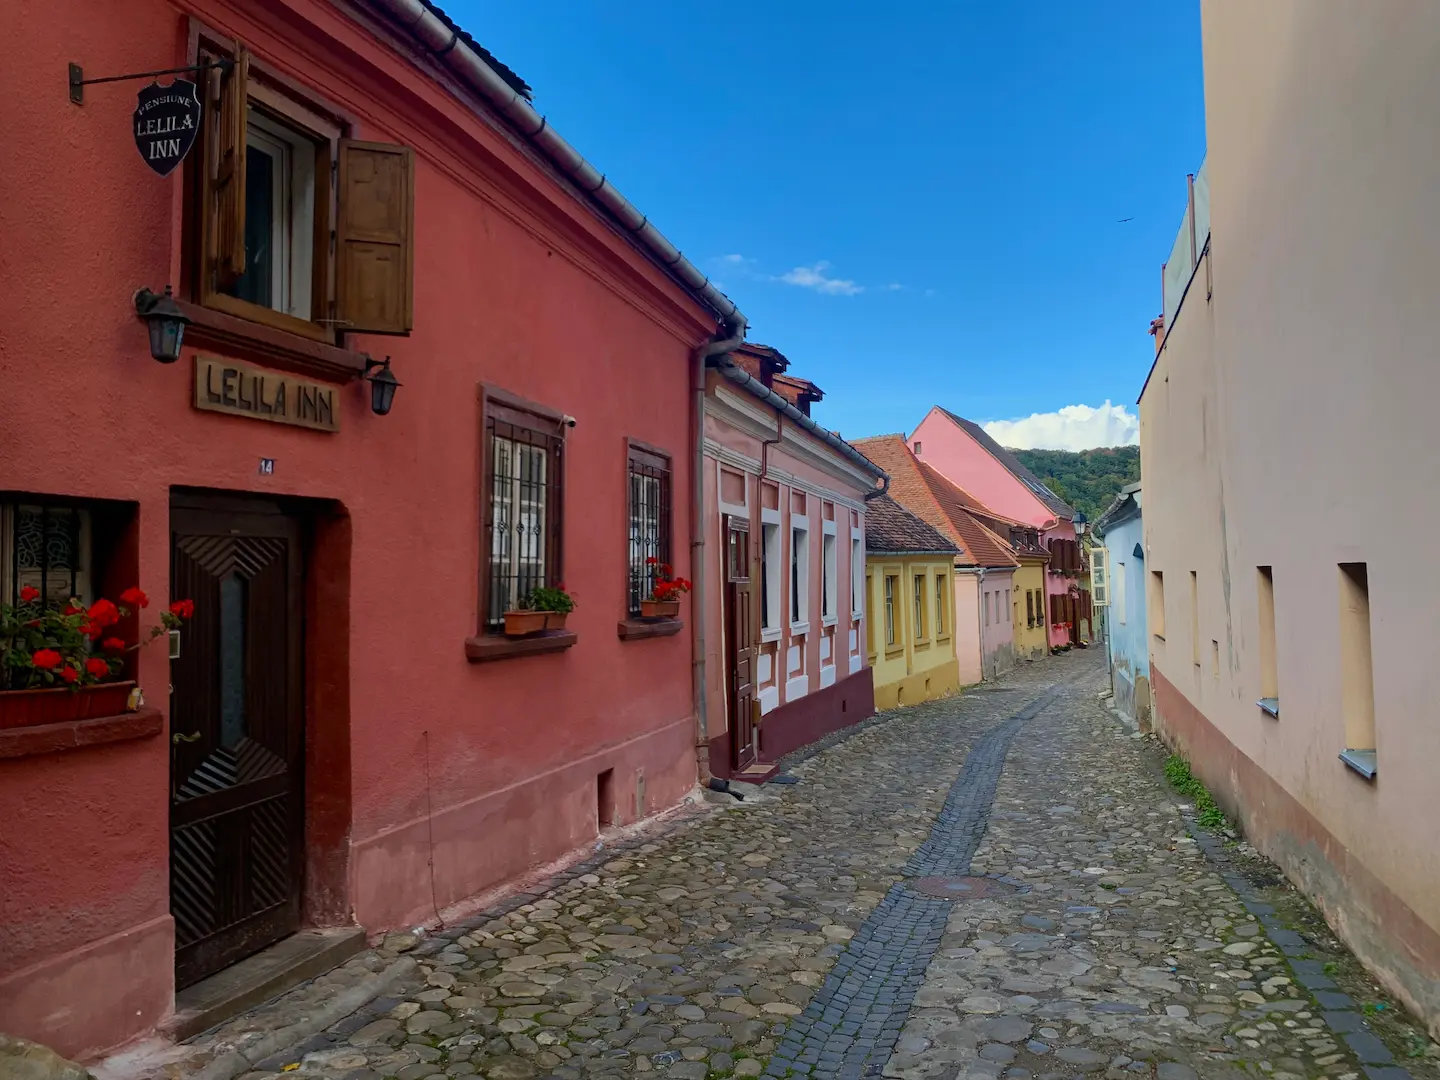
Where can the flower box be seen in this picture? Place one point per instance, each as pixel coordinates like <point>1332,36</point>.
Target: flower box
<point>525,623</point>
<point>30,708</point>
<point>659,609</point>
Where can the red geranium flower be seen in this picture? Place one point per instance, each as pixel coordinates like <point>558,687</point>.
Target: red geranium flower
<point>652,561</point>
<point>92,629</point>
<point>104,612</point>
<point>71,609</point>
<point>69,674</point>
<point>183,608</point>
<point>45,659</point>
<point>97,667</point>
<point>134,597</point>
<point>113,644</point>
<point>28,593</point>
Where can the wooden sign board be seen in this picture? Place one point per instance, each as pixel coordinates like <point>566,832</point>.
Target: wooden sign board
<point>239,390</point>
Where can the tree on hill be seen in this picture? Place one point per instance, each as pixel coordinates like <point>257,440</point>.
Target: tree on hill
<point>1088,479</point>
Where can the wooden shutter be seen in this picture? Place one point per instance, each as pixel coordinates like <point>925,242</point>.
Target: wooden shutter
<point>225,174</point>
<point>374,243</point>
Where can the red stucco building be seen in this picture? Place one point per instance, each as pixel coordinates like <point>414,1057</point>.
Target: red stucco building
<point>347,737</point>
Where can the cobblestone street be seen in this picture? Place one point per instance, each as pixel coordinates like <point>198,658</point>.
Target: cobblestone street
<point>821,929</point>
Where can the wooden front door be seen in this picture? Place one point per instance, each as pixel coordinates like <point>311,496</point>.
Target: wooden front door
<point>740,633</point>
<point>237,740</point>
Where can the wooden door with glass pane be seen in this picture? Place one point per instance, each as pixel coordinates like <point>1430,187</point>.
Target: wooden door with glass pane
<point>740,635</point>
<point>236,794</point>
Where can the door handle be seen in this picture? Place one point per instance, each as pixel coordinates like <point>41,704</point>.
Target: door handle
<point>177,738</point>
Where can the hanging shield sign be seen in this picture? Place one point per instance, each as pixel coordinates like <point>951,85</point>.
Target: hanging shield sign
<point>167,119</point>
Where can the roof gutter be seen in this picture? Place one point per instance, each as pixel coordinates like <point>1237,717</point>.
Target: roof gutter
<point>416,17</point>
<point>742,378</point>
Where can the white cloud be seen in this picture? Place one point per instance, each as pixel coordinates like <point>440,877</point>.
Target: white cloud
<point>813,277</point>
<point>1073,427</point>
<point>735,260</point>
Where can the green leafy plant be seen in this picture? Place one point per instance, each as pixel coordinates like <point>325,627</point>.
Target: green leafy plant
<point>1207,814</point>
<point>46,645</point>
<point>551,598</point>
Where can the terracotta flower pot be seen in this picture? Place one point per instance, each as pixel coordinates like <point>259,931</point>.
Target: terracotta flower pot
<point>29,708</point>
<point>524,623</point>
<point>659,609</point>
<point>555,620</point>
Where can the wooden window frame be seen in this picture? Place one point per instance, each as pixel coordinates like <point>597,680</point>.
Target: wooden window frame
<point>888,598</point>
<point>922,614</point>
<point>644,460</point>
<point>503,407</point>
<point>940,621</point>
<point>222,319</point>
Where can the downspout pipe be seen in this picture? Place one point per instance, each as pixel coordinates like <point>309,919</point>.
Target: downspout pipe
<point>727,340</point>
<point>419,19</point>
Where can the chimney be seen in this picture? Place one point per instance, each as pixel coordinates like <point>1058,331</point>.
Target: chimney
<point>1157,331</point>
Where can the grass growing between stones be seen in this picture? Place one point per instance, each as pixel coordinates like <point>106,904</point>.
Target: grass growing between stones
<point>1207,814</point>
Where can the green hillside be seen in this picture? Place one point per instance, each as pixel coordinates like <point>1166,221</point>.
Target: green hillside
<point>1088,479</point>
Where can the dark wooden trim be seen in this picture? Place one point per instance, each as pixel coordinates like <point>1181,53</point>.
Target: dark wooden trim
<point>76,734</point>
<point>635,450</point>
<point>640,629</point>
<point>489,392</point>
<point>487,647</point>
<point>269,345</point>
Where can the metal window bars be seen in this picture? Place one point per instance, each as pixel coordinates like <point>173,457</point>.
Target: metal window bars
<point>649,485</point>
<point>524,516</point>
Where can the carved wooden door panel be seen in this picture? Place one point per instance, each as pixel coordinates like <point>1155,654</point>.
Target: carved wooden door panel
<point>236,795</point>
<point>740,633</point>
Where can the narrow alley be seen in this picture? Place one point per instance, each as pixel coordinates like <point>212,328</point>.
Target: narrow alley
<point>820,929</point>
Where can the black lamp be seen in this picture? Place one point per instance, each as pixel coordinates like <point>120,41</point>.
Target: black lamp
<point>382,386</point>
<point>166,322</point>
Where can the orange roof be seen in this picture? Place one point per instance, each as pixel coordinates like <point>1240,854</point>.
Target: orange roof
<point>930,497</point>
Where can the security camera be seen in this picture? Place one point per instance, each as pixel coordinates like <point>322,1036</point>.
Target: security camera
<point>568,421</point>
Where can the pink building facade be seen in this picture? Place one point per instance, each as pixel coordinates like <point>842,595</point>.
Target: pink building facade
<point>964,454</point>
<point>784,565</point>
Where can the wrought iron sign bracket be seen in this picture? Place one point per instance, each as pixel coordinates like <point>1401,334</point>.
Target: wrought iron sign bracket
<point>78,82</point>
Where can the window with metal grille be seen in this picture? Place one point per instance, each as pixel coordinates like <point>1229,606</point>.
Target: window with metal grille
<point>522,507</point>
<point>649,486</point>
<point>47,547</point>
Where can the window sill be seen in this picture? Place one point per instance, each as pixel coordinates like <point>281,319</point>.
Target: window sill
<point>829,620</point>
<point>639,629</point>
<point>799,628</point>
<point>269,344</point>
<point>856,616</point>
<point>891,652</point>
<point>770,633</point>
<point>487,647</point>
<point>1270,705</point>
<point>1362,761</point>
<point>75,734</point>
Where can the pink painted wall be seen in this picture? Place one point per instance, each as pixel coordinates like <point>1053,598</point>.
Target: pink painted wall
<point>969,627</point>
<point>965,463</point>
<point>517,283</point>
<point>739,471</point>
<point>997,626</point>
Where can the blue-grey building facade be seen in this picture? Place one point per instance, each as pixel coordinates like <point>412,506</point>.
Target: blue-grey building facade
<point>1119,530</point>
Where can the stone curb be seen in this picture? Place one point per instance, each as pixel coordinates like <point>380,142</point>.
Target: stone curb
<point>228,1066</point>
<point>1337,1011</point>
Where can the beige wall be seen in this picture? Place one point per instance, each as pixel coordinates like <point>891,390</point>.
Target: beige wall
<point>1289,422</point>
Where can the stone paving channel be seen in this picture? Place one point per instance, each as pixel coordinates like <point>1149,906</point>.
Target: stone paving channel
<point>996,885</point>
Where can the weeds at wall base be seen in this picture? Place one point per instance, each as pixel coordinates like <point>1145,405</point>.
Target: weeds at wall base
<point>1207,814</point>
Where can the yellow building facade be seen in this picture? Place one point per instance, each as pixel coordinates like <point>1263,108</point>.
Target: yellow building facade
<point>1029,609</point>
<point>910,624</point>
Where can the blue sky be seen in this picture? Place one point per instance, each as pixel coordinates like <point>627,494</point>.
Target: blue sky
<point>917,203</point>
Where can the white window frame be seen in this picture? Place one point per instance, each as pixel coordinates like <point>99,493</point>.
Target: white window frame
<point>293,230</point>
<point>891,637</point>
<point>939,605</point>
<point>857,576</point>
<point>830,567</point>
<point>775,598</point>
<point>800,575</point>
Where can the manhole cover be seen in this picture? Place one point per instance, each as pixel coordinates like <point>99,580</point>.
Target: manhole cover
<point>960,888</point>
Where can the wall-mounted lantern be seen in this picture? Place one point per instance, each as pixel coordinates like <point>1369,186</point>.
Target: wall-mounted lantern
<point>166,323</point>
<point>382,386</point>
